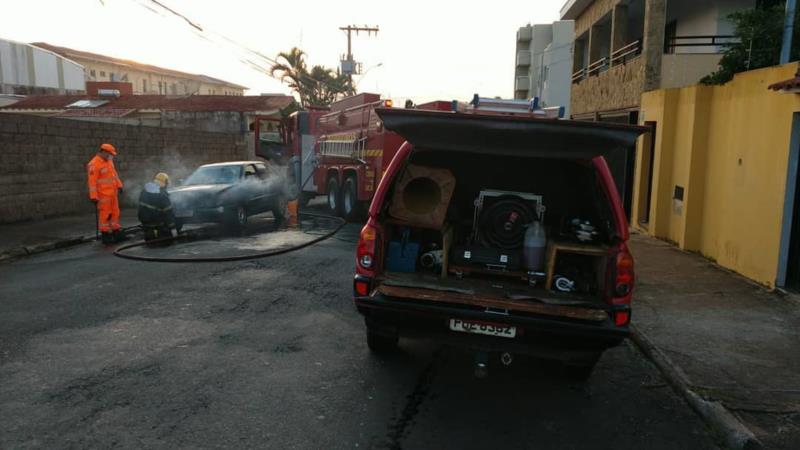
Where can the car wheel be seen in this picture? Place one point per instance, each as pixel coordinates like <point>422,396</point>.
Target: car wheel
<point>333,197</point>
<point>379,343</point>
<point>236,218</point>
<point>351,208</point>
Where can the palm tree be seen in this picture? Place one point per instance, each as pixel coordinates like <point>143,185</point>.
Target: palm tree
<point>320,86</point>
<point>292,69</point>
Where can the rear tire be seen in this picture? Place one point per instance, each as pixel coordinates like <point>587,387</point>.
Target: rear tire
<point>351,207</point>
<point>334,199</point>
<point>381,344</point>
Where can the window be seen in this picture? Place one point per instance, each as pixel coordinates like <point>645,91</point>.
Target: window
<point>144,86</point>
<point>173,89</point>
<point>92,73</point>
<point>261,171</point>
<point>102,73</point>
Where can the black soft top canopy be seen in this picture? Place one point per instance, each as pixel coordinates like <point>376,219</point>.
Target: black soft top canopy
<point>513,135</point>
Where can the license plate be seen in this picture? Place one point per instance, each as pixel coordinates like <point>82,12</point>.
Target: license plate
<point>489,329</point>
<point>184,213</point>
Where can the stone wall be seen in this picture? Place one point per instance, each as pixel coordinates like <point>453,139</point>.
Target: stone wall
<point>42,160</point>
<point>619,87</point>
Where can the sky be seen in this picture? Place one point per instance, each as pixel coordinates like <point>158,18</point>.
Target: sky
<point>425,50</point>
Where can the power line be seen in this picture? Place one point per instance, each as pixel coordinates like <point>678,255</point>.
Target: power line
<point>203,33</point>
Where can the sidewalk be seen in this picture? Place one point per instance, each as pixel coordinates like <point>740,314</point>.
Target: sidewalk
<point>730,340</point>
<point>24,238</point>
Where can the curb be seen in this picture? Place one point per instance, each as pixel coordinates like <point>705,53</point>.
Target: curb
<point>21,252</point>
<point>733,432</point>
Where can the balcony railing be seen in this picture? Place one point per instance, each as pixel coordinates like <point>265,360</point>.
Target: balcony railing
<point>630,51</point>
<point>674,42</point>
<point>579,75</point>
<point>597,66</point>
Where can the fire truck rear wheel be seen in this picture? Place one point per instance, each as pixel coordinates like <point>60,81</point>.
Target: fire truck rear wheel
<point>351,208</point>
<point>334,203</point>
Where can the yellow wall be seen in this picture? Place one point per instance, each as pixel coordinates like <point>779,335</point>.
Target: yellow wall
<point>728,147</point>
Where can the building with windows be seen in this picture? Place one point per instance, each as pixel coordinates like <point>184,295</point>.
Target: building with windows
<point>626,47</point>
<point>146,79</point>
<point>544,63</point>
<point>25,69</point>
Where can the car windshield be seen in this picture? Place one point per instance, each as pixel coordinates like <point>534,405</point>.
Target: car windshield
<point>215,175</point>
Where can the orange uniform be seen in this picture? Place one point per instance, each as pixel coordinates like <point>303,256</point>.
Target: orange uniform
<point>104,183</point>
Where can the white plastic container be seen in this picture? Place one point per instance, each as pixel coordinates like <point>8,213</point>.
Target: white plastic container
<point>533,249</point>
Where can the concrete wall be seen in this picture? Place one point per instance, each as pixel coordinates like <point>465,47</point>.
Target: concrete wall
<point>42,160</point>
<point>619,87</point>
<point>556,82</point>
<point>703,19</point>
<point>686,69</point>
<point>728,148</point>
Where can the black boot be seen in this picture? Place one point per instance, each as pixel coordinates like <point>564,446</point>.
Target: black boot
<point>119,236</point>
<point>106,238</point>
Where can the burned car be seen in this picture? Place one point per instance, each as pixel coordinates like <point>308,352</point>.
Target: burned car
<point>229,193</point>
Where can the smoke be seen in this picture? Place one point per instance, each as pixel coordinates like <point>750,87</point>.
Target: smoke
<point>180,165</point>
<point>140,171</point>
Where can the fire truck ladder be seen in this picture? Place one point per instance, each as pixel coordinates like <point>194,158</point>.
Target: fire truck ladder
<point>521,107</point>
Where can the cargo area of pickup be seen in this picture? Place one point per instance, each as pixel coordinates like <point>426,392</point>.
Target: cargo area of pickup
<point>459,230</point>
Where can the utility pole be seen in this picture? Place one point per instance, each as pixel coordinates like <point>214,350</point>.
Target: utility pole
<point>788,29</point>
<point>349,66</point>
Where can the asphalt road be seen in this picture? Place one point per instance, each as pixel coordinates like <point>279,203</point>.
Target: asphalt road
<point>97,351</point>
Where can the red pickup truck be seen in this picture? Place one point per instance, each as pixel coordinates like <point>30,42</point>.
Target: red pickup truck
<point>503,233</point>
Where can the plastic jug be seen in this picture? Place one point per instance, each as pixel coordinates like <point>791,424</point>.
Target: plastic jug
<point>533,249</point>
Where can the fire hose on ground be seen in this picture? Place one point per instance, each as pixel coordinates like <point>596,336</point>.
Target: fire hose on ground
<point>119,251</point>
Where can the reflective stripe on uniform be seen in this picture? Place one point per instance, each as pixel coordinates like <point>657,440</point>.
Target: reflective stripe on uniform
<point>147,205</point>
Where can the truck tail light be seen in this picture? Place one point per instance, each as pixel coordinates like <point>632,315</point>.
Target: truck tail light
<point>388,103</point>
<point>365,250</point>
<point>624,278</point>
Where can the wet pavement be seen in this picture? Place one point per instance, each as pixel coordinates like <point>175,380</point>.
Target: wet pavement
<point>97,351</point>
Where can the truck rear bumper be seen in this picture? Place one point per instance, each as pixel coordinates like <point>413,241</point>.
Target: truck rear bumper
<point>566,340</point>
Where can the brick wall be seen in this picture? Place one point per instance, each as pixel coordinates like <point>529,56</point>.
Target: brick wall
<point>42,160</point>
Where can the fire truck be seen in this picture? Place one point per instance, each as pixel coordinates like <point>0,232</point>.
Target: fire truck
<point>351,154</point>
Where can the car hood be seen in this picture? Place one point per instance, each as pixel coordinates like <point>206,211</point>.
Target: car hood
<point>198,195</point>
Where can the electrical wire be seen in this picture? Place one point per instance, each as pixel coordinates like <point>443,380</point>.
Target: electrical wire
<point>204,33</point>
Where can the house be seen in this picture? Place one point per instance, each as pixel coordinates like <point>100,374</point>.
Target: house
<point>25,69</point>
<point>543,64</point>
<point>146,79</point>
<point>114,103</point>
<point>626,47</point>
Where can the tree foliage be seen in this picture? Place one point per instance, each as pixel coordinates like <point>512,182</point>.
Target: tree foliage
<point>318,86</point>
<point>760,34</point>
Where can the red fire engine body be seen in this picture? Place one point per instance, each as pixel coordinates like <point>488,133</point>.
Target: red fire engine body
<point>352,153</point>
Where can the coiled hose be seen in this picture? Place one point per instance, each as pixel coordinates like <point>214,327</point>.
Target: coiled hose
<point>119,252</point>
<point>502,224</point>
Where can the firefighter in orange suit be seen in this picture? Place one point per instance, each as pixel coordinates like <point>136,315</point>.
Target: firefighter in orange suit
<point>104,189</point>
